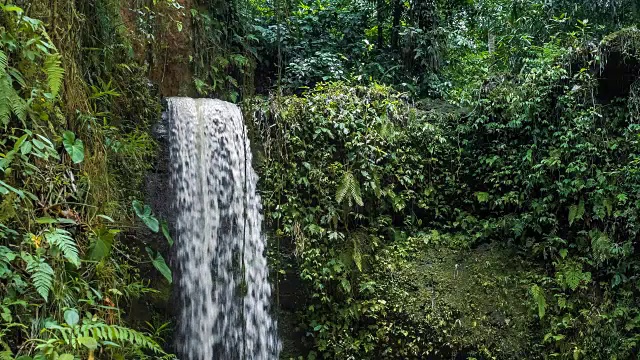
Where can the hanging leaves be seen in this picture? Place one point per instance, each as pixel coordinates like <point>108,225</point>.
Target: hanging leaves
<point>165,231</point>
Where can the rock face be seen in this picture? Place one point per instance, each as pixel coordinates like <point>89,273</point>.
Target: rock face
<point>470,302</point>
<point>158,188</point>
<point>157,194</point>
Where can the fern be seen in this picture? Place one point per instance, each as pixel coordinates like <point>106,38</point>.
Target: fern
<point>7,92</point>
<point>107,334</point>
<point>349,186</point>
<point>5,353</point>
<point>344,187</point>
<point>356,194</point>
<point>63,241</point>
<point>538,297</point>
<point>10,100</point>
<point>18,106</point>
<point>55,73</point>
<point>41,274</point>
<point>573,277</point>
<point>376,185</point>
<point>4,62</point>
<point>15,74</point>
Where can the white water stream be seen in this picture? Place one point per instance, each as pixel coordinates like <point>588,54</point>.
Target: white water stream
<point>222,268</point>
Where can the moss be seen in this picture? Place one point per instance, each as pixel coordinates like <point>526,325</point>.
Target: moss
<point>7,208</point>
<point>473,302</point>
<point>625,41</point>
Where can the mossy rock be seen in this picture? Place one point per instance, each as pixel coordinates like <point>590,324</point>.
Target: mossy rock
<point>474,303</point>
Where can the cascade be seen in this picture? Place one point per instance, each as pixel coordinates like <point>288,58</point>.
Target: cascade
<point>222,269</point>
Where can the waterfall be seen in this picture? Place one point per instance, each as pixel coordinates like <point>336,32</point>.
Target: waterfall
<point>222,268</point>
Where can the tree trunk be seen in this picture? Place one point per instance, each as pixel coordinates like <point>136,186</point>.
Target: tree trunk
<point>395,31</point>
<point>380,23</point>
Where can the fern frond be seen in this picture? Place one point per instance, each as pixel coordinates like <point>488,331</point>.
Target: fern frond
<point>356,194</point>
<point>119,334</point>
<point>4,62</point>
<point>18,106</point>
<point>376,185</point>
<point>349,186</point>
<point>17,76</point>
<point>539,298</point>
<point>345,185</point>
<point>5,110</point>
<point>55,73</point>
<point>6,355</point>
<point>41,274</point>
<point>63,241</point>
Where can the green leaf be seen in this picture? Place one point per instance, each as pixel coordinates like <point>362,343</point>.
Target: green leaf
<point>46,220</point>
<point>346,285</point>
<point>482,197</point>
<point>580,213</point>
<point>89,342</point>
<point>103,241</point>
<point>74,147</point>
<point>7,188</point>
<point>573,209</point>
<point>573,275</point>
<point>19,142</point>
<point>12,8</point>
<point>622,198</point>
<point>71,317</point>
<point>108,218</point>
<point>66,221</point>
<point>6,254</point>
<point>66,357</point>
<point>158,262</point>
<point>576,212</point>
<point>539,298</point>
<point>39,144</point>
<point>165,232</point>
<point>144,213</point>
<point>563,253</point>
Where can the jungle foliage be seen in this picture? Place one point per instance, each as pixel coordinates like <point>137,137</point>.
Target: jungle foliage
<point>72,157</point>
<point>524,156</point>
<point>440,179</point>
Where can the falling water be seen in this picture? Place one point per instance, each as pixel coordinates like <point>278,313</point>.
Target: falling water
<point>220,249</point>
